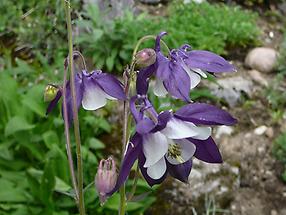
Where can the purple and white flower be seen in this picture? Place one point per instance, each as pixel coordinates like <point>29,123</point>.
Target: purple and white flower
<point>165,143</point>
<point>181,71</point>
<point>92,91</point>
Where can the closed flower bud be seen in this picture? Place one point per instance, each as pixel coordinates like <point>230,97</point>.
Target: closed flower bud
<point>145,57</point>
<point>50,92</point>
<point>105,178</point>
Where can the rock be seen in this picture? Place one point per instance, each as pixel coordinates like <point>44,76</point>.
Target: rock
<point>215,180</point>
<point>258,77</point>
<point>269,132</point>
<point>112,8</point>
<point>262,59</point>
<point>223,130</point>
<point>260,130</point>
<point>231,89</point>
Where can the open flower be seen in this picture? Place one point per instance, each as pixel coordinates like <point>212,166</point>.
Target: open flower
<point>180,71</point>
<point>92,91</point>
<point>166,143</point>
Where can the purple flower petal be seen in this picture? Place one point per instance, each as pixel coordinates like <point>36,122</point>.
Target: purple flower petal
<point>138,116</point>
<point>158,39</point>
<point>79,94</point>
<point>163,118</point>
<point>206,150</point>
<point>54,102</point>
<point>110,85</point>
<point>133,150</point>
<point>208,61</point>
<point>142,81</point>
<point>150,181</point>
<point>205,114</point>
<point>180,171</point>
<point>144,126</point>
<point>178,83</point>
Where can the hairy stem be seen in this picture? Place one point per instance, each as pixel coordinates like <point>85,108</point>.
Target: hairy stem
<point>67,135</point>
<point>75,114</point>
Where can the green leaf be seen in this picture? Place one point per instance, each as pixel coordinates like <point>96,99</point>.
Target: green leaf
<point>95,144</point>
<point>34,100</point>
<point>50,138</point>
<point>47,185</point>
<point>16,124</point>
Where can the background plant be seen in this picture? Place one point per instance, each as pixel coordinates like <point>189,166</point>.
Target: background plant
<point>217,28</point>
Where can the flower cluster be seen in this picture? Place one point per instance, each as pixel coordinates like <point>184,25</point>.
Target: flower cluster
<point>166,143</point>
<point>163,143</point>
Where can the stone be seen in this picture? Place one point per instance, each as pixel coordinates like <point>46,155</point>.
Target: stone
<point>223,130</point>
<point>231,89</point>
<point>262,59</point>
<point>260,130</point>
<point>258,77</point>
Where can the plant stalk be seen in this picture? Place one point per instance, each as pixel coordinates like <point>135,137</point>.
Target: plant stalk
<point>67,135</point>
<point>75,114</point>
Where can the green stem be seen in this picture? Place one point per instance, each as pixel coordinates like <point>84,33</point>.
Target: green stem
<point>133,189</point>
<point>75,114</point>
<point>67,135</point>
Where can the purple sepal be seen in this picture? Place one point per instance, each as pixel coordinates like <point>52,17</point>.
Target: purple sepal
<point>205,114</point>
<point>178,82</point>
<point>207,150</point>
<point>180,171</point>
<point>208,61</point>
<point>134,147</point>
<point>109,84</point>
<point>54,102</point>
<point>79,94</point>
<point>150,181</point>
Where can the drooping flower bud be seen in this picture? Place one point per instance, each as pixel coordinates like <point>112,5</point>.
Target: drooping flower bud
<point>145,57</point>
<point>105,178</point>
<point>50,92</point>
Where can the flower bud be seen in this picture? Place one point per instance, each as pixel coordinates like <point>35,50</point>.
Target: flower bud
<point>105,178</point>
<point>145,57</point>
<point>50,92</point>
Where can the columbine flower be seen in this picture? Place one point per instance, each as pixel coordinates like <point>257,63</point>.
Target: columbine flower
<point>181,71</point>
<point>92,91</point>
<point>166,143</point>
<point>105,178</point>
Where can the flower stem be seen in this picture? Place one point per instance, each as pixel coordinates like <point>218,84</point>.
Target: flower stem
<point>67,135</point>
<point>133,190</point>
<point>75,114</point>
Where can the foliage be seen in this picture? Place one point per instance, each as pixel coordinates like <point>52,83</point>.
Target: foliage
<point>204,26</point>
<point>282,56</point>
<point>33,25</point>
<point>34,174</point>
<point>279,151</point>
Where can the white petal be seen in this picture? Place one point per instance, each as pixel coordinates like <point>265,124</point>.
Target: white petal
<point>179,129</point>
<point>187,151</point>
<point>157,170</point>
<point>201,72</point>
<point>203,133</point>
<point>159,89</point>
<point>194,77</point>
<point>93,98</point>
<point>109,97</point>
<point>155,146</point>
